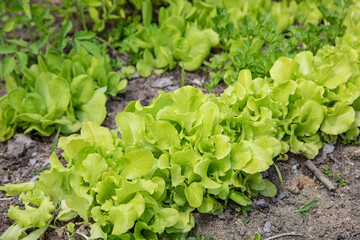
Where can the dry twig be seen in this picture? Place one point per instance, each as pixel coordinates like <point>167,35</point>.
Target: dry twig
<point>284,235</point>
<point>320,175</point>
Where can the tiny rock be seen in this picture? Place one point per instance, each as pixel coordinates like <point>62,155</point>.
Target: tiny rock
<point>33,162</point>
<point>295,169</point>
<point>300,185</point>
<point>261,203</point>
<point>294,190</point>
<point>135,75</point>
<point>18,145</point>
<point>267,227</point>
<point>281,196</point>
<point>162,82</point>
<point>328,148</point>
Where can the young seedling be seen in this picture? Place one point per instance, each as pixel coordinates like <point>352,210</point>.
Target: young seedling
<point>199,237</point>
<point>244,210</point>
<point>337,177</point>
<point>256,237</point>
<point>305,208</point>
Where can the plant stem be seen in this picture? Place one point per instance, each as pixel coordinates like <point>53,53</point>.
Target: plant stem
<point>81,10</point>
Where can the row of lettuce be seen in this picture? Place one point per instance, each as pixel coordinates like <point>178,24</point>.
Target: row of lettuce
<point>190,151</point>
<point>62,91</point>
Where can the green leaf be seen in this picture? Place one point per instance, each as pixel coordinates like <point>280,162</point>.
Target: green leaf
<point>284,69</point>
<point>25,4</point>
<point>147,12</point>
<point>22,59</point>
<point>18,42</point>
<point>91,47</point>
<point>194,194</point>
<point>8,65</point>
<point>136,164</point>
<point>82,89</point>
<point>66,28</point>
<point>94,166</point>
<point>83,35</point>
<point>165,134</point>
<point>78,204</point>
<point>338,119</point>
<point>131,127</point>
<point>16,189</point>
<point>270,189</point>
<point>124,216</point>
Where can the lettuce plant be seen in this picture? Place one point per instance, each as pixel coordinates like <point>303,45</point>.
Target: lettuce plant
<point>62,91</point>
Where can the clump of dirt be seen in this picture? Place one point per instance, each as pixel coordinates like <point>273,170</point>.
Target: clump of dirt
<point>335,216</point>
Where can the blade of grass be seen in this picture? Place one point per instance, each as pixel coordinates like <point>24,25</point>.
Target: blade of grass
<point>279,174</point>
<point>55,141</point>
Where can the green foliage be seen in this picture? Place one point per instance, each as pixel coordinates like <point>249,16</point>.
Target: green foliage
<point>62,91</point>
<point>260,39</point>
<point>256,237</point>
<point>337,177</point>
<point>305,208</point>
<point>199,237</point>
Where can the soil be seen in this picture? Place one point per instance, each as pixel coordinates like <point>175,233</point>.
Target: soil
<point>335,216</point>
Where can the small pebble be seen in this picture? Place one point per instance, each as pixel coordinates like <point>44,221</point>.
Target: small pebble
<point>33,161</point>
<point>282,203</point>
<point>162,82</point>
<point>34,154</point>
<point>172,88</point>
<point>294,190</point>
<point>267,227</point>
<point>300,185</point>
<point>46,163</point>
<point>295,169</point>
<point>261,203</point>
<point>328,148</point>
<point>282,195</point>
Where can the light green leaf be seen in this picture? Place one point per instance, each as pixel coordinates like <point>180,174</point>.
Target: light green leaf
<point>124,216</point>
<point>338,119</point>
<point>284,69</point>
<point>165,134</point>
<point>6,49</point>
<point>16,189</point>
<point>91,47</point>
<point>194,194</point>
<point>8,65</point>
<point>136,163</point>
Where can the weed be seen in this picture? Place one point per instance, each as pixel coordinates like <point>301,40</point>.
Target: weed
<point>337,177</point>
<point>256,237</point>
<point>305,208</point>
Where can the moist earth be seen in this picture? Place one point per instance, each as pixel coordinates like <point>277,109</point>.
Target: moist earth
<point>335,216</point>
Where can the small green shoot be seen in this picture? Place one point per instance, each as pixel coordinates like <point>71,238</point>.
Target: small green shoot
<point>279,174</point>
<point>55,141</point>
<point>305,208</point>
<point>244,210</point>
<point>256,237</point>
<point>199,237</point>
<point>337,177</point>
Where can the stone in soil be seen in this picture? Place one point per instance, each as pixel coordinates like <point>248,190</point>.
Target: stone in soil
<point>18,145</point>
<point>267,227</point>
<point>162,82</point>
